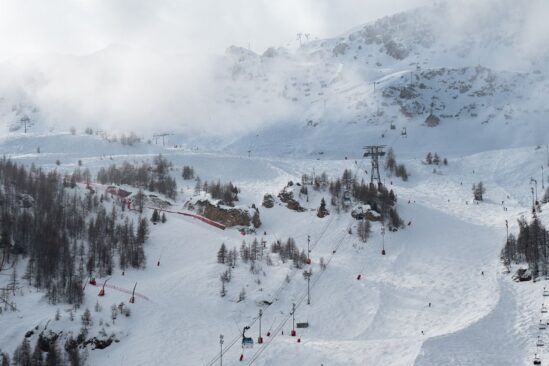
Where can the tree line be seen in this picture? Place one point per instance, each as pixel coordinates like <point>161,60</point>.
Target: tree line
<point>530,247</point>
<point>155,177</point>
<point>66,234</point>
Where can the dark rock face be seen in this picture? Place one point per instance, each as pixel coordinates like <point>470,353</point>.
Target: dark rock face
<point>97,343</point>
<point>291,203</point>
<point>228,217</point>
<point>432,120</point>
<point>268,201</point>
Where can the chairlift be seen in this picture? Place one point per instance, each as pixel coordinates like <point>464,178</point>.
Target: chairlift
<point>393,126</point>
<point>537,360</point>
<point>542,325</point>
<point>403,132</point>
<point>545,292</point>
<point>247,342</point>
<point>543,309</point>
<point>540,343</point>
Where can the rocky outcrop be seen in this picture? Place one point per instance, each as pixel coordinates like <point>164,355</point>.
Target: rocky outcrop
<point>226,216</point>
<point>268,201</point>
<point>289,200</point>
<point>432,120</point>
<point>98,343</point>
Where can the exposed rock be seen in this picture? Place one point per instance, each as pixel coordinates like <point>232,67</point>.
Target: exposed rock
<point>100,343</point>
<point>340,49</point>
<point>268,201</point>
<point>372,215</point>
<point>226,216</point>
<point>408,92</point>
<point>432,120</point>
<point>288,199</point>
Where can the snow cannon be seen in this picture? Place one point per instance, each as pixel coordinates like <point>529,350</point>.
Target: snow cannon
<point>102,291</point>
<point>260,340</point>
<point>293,333</point>
<point>92,281</point>
<point>132,299</point>
<point>383,252</point>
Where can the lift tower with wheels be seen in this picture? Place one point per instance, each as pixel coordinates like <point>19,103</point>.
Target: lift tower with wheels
<point>374,152</point>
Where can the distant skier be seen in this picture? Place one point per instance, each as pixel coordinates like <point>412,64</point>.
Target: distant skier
<point>429,304</point>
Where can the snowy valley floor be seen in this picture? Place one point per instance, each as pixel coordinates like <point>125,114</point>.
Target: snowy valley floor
<point>474,319</point>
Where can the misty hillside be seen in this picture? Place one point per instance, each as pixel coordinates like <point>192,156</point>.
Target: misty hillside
<point>427,71</point>
<point>398,71</point>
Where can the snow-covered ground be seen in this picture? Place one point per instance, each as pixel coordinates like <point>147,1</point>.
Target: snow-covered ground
<point>382,319</point>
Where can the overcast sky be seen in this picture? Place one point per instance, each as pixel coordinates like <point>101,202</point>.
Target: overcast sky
<point>33,27</point>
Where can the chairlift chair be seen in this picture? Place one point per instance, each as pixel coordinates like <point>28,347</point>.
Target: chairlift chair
<point>542,325</point>
<point>347,197</point>
<point>403,132</point>
<point>543,309</point>
<point>545,292</point>
<point>537,360</point>
<point>247,342</point>
<point>539,342</point>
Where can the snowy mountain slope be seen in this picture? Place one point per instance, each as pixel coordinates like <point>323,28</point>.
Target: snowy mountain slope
<point>397,71</point>
<point>316,104</point>
<point>377,320</point>
<point>467,67</point>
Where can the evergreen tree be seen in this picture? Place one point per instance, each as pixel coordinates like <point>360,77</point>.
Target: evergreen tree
<point>242,295</point>
<point>53,357</point>
<point>222,254</point>
<point>478,191</point>
<point>86,319</point>
<point>390,161</point>
<point>364,230</point>
<point>23,354</point>
<point>256,221</point>
<point>6,359</point>
<point>155,216</point>
<point>37,359</point>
